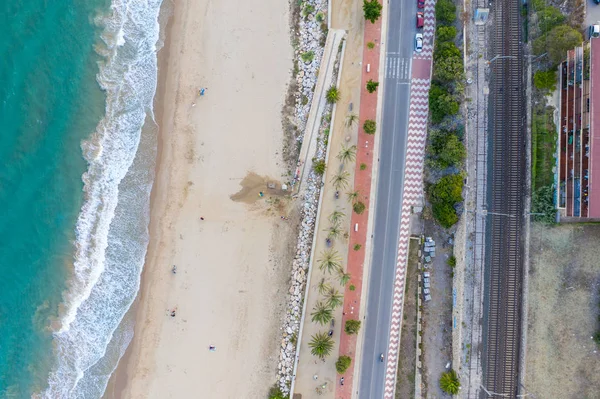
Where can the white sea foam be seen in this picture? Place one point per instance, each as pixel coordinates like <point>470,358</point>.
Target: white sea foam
<point>112,227</point>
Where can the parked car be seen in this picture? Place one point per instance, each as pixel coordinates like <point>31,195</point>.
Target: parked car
<point>421,4</point>
<point>420,20</point>
<point>418,42</point>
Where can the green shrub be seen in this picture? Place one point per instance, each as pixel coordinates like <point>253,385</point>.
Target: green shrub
<point>441,103</point>
<point>333,95</point>
<point>363,166</point>
<point>352,327</point>
<point>370,126</point>
<point>449,382</point>
<point>370,45</point>
<point>545,80</point>
<point>445,12</point>
<point>446,150</point>
<point>447,189</point>
<point>444,195</point>
<point>357,247</point>
<point>358,207</point>
<point>352,287</point>
<point>445,33</point>
<point>448,69</point>
<point>308,56</point>
<point>319,167</point>
<point>542,203</point>
<point>342,364</point>
<point>275,393</point>
<point>372,85</point>
<point>451,261</point>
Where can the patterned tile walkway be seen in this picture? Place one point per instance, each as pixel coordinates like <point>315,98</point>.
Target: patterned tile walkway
<point>413,183</point>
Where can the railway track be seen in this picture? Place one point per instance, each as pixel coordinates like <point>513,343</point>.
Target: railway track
<point>502,321</point>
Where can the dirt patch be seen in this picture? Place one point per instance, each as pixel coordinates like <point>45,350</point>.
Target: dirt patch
<point>255,187</point>
<point>437,316</point>
<point>562,359</point>
<point>405,383</point>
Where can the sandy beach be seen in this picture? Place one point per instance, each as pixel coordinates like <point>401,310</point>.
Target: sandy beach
<point>217,152</point>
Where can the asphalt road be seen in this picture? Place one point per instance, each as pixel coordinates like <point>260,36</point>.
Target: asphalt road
<point>400,44</point>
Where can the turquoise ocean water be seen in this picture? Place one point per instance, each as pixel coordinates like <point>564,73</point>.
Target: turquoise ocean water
<point>77,148</point>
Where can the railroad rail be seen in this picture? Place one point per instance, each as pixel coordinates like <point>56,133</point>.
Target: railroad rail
<point>502,319</point>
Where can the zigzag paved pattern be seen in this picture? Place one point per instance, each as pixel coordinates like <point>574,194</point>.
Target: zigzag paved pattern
<point>428,31</point>
<point>413,188</point>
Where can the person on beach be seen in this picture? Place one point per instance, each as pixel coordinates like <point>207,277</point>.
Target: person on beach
<point>212,348</point>
<point>173,312</point>
<point>201,218</point>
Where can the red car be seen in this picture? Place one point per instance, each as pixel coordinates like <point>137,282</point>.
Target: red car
<point>420,19</point>
<point>420,4</point>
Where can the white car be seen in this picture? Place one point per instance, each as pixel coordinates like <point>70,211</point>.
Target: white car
<point>419,42</point>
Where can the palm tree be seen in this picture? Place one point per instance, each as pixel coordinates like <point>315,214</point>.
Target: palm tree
<point>449,382</point>
<point>336,217</point>
<point>334,298</point>
<point>322,313</point>
<point>340,180</point>
<point>330,261</point>
<point>353,196</point>
<point>323,286</point>
<point>351,119</point>
<point>321,345</point>
<point>344,277</point>
<point>333,231</point>
<point>347,154</point>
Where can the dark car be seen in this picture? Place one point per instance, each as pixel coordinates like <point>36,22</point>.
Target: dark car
<point>421,3</point>
<point>420,19</point>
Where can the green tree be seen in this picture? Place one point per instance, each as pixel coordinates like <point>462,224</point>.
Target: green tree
<point>323,286</point>
<point>445,12</point>
<point>332,95</point>
<point>343,277</point>
<point>353,196</point>
<point>341,180</point>
<point>330,261</point>
<point>334,298</point>
<point>322,313</point>
<point>549,17</point>
<point>445,33</point>
<point>321,345</point>
<point>545,80</point>
<point>336,217</point>
<point>352,326</point>
<point>319,167</point>
<point>347,154</point>
<point>449,382</point>
<point>448,69</point>
<point>351,119</point>
<point>447,150</point>
<point>342,364</point>
<point>372,10</point>
<point>333,231</point>
<point>557,42</point>
<point>441,103</point>
<point>372,85</point>
<point>370,126</point>
<point>359,207</point>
